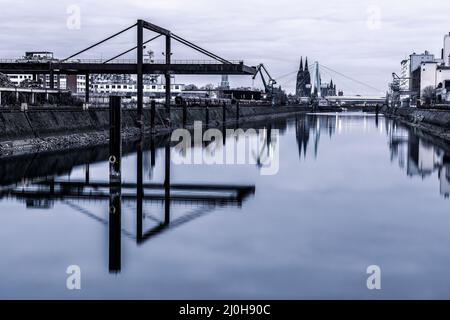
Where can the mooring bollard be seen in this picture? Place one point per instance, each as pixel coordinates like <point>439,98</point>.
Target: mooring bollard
<point>152,114</point>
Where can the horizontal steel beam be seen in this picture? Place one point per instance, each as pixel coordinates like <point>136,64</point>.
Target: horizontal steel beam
<point>126,68</point>
<point>31,90</point>
<point>155,28</point>
<point>175,186</point>
<point>99,196</point>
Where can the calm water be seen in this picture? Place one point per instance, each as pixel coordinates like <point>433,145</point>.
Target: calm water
<point>352,191</point>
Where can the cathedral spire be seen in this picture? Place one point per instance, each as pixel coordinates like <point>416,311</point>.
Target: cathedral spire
<point>301,64</point>
<point>306,64</point>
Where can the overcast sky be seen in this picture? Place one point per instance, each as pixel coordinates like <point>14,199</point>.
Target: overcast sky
<point>362,39</point>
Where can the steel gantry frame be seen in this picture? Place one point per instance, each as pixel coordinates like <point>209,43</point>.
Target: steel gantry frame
<point>110,66</point>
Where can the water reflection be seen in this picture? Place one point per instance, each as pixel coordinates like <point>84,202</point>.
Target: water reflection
<point>310,128</point>
<point>42,193</point>
<point>325,205</point>
<point>420,155</point>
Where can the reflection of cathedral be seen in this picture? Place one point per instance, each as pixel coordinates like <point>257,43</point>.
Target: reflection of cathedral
<point>303,88</point>
<point>310,128</point>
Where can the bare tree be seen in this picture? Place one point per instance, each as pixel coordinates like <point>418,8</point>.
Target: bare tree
<point>429,94</point>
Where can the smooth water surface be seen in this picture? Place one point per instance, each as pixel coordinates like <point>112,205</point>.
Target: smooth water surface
<point>353,190</point>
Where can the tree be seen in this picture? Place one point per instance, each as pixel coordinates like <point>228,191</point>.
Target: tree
<point>190,87</point>
<point>429,94</point>
<point>209,87</point>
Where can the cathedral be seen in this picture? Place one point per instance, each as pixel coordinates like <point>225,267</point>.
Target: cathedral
<point>329,89</point>
<point>308,86</point>
<point>303,88</point>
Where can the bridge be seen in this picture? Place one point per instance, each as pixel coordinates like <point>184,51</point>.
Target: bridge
<point>356,100</point>
<point>70,65</point>
<point>98,66</point>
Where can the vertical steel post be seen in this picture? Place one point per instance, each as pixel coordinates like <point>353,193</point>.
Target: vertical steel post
<point>51,77</point>
<point>139,191</point>
<point>167,184</point>
<point>87,88</point>
<point>184,104</point>
<point>87,174</point>
<point>207,114</point>
<point>140,77</point>
<point>115,184</point>
<point>115,138</point>
<point>152,114</point>
<point>168,56</point>
<point>224,113</point>
<point>237,111</point>
<point>152,152</point>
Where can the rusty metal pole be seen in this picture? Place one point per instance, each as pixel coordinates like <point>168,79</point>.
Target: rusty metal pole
<point>139,73</point>
<point>115,184</point>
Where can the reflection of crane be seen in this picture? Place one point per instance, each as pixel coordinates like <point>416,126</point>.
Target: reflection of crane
<point>268,85</point>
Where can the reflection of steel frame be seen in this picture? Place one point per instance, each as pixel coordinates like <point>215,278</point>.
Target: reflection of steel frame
<point>207,196</point>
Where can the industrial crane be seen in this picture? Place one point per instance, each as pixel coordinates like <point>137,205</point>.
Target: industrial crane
<point>268,86</point>
<point>397,91</point>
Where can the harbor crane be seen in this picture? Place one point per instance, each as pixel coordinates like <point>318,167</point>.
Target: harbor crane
<point>397,91</point>
<point>268,85</point>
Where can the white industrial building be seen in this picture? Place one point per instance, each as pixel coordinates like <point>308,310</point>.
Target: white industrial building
<point>424,70</point>
<point>131,88</point>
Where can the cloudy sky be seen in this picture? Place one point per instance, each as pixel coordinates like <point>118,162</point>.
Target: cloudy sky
<point>362,39</point>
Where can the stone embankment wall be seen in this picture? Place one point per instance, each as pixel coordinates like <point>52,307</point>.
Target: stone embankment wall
<point>434,122</point>
<point>45,130</point>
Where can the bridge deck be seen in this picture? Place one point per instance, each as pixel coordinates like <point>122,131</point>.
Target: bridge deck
<point>125,67</point>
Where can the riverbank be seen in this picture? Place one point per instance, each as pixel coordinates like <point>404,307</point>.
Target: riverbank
<point>37,131</point>
<point>433,122</point>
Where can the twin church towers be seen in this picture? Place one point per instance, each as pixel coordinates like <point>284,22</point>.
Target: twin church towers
<point>311,84</point>
<point>303,88</point>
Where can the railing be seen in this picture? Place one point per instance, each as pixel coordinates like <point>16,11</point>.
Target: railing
<point>118,61</point>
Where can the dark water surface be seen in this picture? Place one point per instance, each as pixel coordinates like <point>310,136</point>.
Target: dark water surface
<point>352,191</point>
